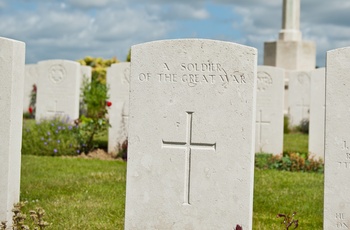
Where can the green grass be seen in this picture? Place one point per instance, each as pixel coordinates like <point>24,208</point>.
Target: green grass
<point>295,142</point>
<point>75,193</point>
<point>90,194</point>
<point>285,192</point>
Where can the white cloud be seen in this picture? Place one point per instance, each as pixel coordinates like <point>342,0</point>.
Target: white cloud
<point>75,28</point>
<point>2,4</point>
<point>182,11</point>
<point>73,34</point>
<point>92,3</point>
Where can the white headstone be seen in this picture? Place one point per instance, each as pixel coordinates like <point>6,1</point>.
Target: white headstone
<point>269,110</point>
<point>12,55</point>
<point>30,79</point>
<point>299,96</point>
<point>337,140</point>
<point>191,135</point>
<point>317,112</point>
<point>118,77</point>
<point>58,89</point>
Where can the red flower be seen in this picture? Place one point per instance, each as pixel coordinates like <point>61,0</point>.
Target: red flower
<point>108,103</point>
<point>30,110</point>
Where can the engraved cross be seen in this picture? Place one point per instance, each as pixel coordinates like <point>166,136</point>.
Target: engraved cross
<point>54,111</point>
<point>188,146</point>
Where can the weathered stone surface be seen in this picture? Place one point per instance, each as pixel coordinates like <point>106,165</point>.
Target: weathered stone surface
<point>317,112</point>
<point>118,78</point>
<point>191,135</point>
<point>299,96</point>
<point>58,89</point>
<point>269,110</point>
<point>337,140</point>
<point>12,55</point>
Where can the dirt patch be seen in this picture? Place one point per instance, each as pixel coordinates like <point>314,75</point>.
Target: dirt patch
<point>98,154</point>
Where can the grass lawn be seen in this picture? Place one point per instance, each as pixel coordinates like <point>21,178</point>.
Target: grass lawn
<point>295,142</point>
<point>75,193</point>
<point>90,194</point>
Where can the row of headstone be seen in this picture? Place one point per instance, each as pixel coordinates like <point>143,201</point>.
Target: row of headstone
<point>305,101</point>
<point>192,129</point>
<point>58,84</point>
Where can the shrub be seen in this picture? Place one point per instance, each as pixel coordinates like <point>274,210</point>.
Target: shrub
<point>293,162</point>
<point>262,160</point>
<point>54,137</point>
<point>95,99</point>
<point>296,162</point>
<point>30,114</point>
<point>99,67</point>
<point>303,126</point>
<point>286,128</point>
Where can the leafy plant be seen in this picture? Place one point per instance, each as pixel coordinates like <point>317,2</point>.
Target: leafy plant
<point>55,137</point>
<point>128,57</point>
<point>95,97</point>
<point>294,162</point>
<point>99,67</point>
<point>286,128</point>
<point>303,126</point>
<point>262,160</point>
<point>30,114</point>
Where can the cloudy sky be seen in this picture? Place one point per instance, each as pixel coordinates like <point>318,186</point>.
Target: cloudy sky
<point>73,29</point>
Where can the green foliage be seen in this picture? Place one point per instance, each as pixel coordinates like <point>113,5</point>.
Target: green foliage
<point>303,127</point>
<point>54,137</point>
<point>95,97</point>
<point>99,67</point>
<point>262,160</point>
<point>128,57</point>
<point>286,128</point>
<point>30,114</point>
<point>293,162</point>
<point>88,129</point>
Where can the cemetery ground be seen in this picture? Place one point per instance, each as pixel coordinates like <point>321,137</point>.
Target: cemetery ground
<point>79,193</point>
